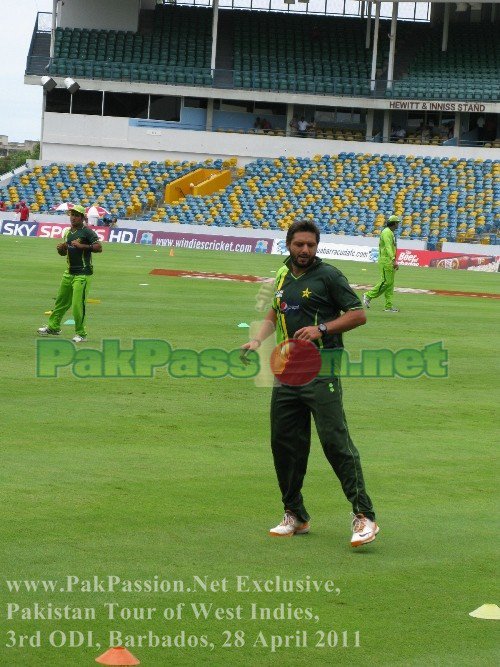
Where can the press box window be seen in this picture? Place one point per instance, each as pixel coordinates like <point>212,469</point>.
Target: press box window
<point>165,108</point>
<point>126,105</point>
<point>87,102</point>
<point>195,102</point>
<point>58,101</point>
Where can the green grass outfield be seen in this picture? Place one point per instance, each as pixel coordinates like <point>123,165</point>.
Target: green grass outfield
<point>174,478</point>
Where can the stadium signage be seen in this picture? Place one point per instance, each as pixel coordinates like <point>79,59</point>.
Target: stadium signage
<point>333,251</point>
<point>357,253</point>
<point>12,228</point>
<point>121,235</point>
<point>204,241</point>
<point>448,260</point>
<point>413,105</point>
<point>56,231</point>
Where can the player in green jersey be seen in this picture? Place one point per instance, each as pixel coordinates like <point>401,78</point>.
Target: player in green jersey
<point>313,302</point>
<point>79,242</point>
<point>388,265</point>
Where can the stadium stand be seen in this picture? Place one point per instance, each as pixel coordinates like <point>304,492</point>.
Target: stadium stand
<point>351,193</point>
<point>326,58</point>
<point>298,53</point>
<point>440,93</point>
<point>124,189</point>
<point>469,69</point>
<point>177,51</point>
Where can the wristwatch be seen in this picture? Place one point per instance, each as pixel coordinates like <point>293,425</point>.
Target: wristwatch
<point>323,329</point>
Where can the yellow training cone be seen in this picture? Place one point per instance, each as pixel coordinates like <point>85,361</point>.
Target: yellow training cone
<point>48,312</point>
<point>490,612</point>
<point>93,300</point>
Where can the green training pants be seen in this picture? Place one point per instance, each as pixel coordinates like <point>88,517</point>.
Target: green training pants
<point>384,286</point>
<point>291,409</point>
<point>72,293</point>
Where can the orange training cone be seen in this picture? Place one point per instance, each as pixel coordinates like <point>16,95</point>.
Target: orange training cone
<point>117,656</point>
<point>171,253</point>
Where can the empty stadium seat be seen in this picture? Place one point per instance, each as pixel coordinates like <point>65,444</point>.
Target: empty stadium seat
<point>181,38</point>
<point>350,193</point>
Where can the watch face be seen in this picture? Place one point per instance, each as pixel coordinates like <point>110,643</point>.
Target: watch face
<point>322,328</point>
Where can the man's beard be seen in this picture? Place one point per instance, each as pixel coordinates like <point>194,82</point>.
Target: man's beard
<point>302,264</point>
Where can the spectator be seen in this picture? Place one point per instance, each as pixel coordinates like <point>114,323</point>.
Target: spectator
<point>24,212</point>
<point>480,128</point>
<point>114,221</point>
<point>265,124</point>
<point>302,127</point>
<point>294,124</point>
<point>258,123</point>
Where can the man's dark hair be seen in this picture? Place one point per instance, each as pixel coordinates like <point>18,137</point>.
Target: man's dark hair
<point>302,226</point>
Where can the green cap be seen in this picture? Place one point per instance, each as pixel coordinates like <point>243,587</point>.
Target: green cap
<point>394,218</point>
<point>79,209</point>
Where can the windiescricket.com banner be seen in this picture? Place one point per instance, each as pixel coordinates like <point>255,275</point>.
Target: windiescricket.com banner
<point>144,237</point>
<point>333,251</point>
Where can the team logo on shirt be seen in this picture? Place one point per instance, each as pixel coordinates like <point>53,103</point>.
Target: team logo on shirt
<point>278,294</point>
<point>306,293</point>
<point>286,307</point>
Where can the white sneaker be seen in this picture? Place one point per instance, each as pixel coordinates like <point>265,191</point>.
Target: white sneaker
<point>79,339</point>
<point>366,301</point>
<point>47,331</point>
<point>364,530</point>
<point>290,526</point>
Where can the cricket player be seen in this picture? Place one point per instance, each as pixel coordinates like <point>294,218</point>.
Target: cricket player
<point>313,302</point>
<point>388,265</point>
<point>79,242</point>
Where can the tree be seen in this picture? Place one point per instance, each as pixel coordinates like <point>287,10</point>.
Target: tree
<point>16,159</point>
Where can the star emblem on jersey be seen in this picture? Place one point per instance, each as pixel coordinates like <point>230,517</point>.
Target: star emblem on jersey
<point>306,293</point>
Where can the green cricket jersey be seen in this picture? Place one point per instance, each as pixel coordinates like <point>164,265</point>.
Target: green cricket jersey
<point>386,246</point>
<point>80,261</point>
<point>319,295</point>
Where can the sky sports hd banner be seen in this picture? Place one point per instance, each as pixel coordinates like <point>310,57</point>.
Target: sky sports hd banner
<point>331,251</point>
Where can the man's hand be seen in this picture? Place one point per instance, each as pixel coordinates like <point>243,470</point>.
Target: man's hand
<point>308,333</point>
<point>62,249</point>
<point>79,245</point>
<point>395,265</point>
<point>245,350</point>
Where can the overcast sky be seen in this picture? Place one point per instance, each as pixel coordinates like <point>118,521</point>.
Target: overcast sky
<point>20,105</point>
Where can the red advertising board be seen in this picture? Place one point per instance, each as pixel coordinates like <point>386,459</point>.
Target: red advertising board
<point>447,260</point>
<point>55,230</point>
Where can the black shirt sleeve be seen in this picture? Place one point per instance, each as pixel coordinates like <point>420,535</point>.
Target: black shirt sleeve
<point>91,236</point>
<point>340,292</point>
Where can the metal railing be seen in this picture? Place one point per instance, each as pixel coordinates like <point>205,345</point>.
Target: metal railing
<point>38,65</point>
